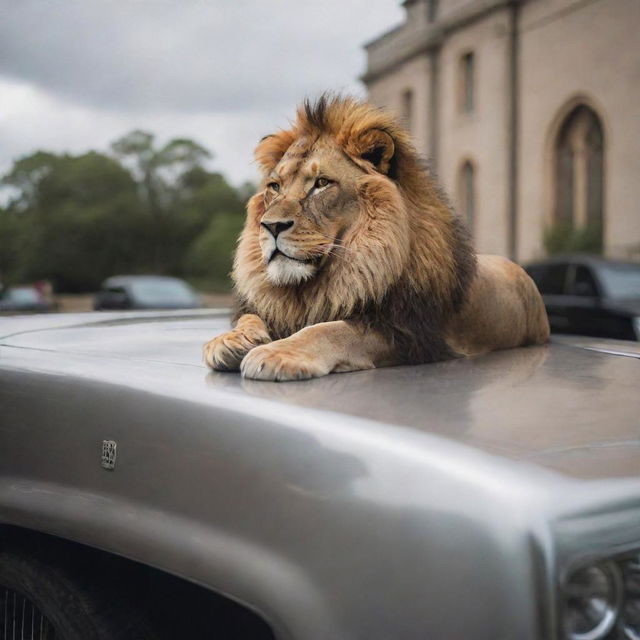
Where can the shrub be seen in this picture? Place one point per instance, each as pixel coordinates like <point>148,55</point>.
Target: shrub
<point>565,238</point>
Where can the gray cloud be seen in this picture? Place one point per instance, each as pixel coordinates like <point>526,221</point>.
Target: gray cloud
<point>188,55</point>
<point>75,74</point>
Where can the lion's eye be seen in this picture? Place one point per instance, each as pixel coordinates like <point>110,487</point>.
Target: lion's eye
<point>321,182</point>
<point>274,185</point>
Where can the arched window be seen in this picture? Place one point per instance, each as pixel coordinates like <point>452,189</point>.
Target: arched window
<point>467,193</point>
<point>432,10</point>
<point>466,82</point>
<point>407,109</point>
<point>578,171</point>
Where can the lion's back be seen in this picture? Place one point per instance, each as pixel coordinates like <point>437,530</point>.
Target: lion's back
<point>503,309</point>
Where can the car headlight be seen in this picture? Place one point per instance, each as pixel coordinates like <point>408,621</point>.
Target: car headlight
<point>592,601</point>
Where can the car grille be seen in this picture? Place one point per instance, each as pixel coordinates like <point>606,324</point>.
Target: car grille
<point>20,619</point>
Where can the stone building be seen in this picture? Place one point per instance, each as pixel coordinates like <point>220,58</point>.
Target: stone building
<point>529,111</point>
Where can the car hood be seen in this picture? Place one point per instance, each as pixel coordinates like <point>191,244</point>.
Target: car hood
<point>571,406</point>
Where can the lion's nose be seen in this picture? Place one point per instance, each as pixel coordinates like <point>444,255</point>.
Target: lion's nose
<point>276,228</point>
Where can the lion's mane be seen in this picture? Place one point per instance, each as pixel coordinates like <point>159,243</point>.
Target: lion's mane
<point>404,268</point>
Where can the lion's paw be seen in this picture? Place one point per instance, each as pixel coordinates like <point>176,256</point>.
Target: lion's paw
<point>279,362</point>
<point>225,352</point>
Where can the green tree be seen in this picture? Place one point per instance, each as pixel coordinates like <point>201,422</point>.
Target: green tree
<point>76,220</point>
<point>73,219</point>
<point>27,176</point>
<point>160,173</point>
<point>212,214</point>
<point>9,245</point>
<point>210,257</point>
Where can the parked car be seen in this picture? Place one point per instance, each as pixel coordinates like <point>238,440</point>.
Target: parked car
<point>144,496</point>
<point>590,296</point>
<point>23,299</point>
<point>145,292</point>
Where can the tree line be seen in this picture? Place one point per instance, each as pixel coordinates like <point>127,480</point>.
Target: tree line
<point>75,220</point>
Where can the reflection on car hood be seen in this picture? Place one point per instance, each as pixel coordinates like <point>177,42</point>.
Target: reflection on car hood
<point>564,406</point>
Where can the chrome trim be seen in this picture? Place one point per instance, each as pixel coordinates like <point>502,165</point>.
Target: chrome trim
<point>20,618</point>
<point>613,606</point>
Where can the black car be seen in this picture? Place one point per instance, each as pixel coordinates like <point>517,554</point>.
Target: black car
<point>590,296</point>
<point>145,292</point>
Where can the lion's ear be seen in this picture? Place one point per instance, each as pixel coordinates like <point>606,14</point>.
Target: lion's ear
<point>271,149</point>
<point>377,147</point>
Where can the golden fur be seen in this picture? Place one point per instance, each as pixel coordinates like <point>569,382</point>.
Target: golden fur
<point>350,258</point>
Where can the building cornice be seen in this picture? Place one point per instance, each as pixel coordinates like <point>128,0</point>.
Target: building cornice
<point>386,53</point>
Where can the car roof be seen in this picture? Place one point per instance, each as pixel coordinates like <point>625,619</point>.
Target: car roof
<point>569,407</point>
<point>131,279</point>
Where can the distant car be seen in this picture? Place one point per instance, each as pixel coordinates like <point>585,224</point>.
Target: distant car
<point>145,292</point>
<point>590,296</point>
<point>23,300</point>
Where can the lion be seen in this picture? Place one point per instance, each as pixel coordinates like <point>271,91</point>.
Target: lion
<point>351,259</point>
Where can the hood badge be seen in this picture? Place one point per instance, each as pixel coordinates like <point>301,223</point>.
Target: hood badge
<point>108,460</point>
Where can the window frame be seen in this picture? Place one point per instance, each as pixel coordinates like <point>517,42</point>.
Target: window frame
<point>546,268</point>
<point>432,11</point>
<point>573,269</point>
<point>408,108</point>
<point>467,193</point>
<point>467,74</point>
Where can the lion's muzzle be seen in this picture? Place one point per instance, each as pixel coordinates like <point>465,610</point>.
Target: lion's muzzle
<point>276,228</point>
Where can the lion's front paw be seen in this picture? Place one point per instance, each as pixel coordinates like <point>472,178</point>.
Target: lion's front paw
<point>279,362</point>
<point>225,352</point>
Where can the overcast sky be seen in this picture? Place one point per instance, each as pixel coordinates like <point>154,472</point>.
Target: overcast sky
<point>77,74</point>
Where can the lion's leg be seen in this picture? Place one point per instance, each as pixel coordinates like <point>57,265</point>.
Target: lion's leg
<point>225,352</point>
<point>316,351</point>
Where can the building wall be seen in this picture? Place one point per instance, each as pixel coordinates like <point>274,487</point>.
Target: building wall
<point>388,92</point>
<point>482,135</point>
<point>570,51</point>
<point>449,8</point>
<point>574,51</point>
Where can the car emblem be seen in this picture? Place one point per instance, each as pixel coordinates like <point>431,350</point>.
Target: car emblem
<point>109,454</point>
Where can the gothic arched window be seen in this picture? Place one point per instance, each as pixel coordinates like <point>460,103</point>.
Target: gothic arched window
<point>579,169</point>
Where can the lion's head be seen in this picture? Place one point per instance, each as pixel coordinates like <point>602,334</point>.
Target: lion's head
<point>345,219</point>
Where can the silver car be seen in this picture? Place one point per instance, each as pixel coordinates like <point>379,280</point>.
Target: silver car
<point>143,496</point>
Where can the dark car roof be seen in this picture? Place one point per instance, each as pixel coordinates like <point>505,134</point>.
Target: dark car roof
<point>568,407</point>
